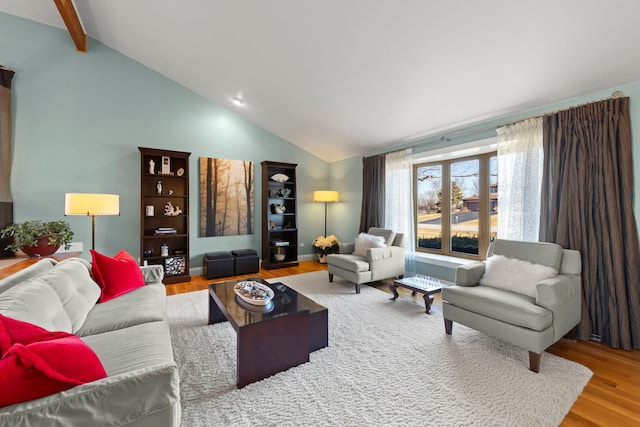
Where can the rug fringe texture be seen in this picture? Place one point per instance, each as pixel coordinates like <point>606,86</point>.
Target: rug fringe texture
<point>388,364</point>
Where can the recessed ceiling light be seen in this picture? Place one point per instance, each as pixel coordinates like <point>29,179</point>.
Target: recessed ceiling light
<point>238,101</point>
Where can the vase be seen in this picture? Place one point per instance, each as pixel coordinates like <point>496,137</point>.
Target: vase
<point>322,259</point>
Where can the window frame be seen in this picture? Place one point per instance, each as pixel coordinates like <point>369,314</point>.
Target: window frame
<point>484,217</point>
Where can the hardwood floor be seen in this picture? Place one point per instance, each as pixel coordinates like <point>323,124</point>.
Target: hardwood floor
<point>611,398</point>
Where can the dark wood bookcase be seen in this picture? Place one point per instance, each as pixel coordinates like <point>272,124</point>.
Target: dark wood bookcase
<point>279,227</point>
<point>164,239</point>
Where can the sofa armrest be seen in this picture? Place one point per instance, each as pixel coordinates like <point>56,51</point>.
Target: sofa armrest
<point>555,291</point>
<point>385,262</point>
<point>104,402</point>
<point>152,273</point>
<point>561,295</point>
<point>469,274</point>
<point>347,248</point>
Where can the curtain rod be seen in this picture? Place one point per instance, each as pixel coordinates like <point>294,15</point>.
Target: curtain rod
<point>614,95</point>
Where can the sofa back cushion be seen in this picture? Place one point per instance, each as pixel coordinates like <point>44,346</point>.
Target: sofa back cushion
<point>42,266</point>
<point>77,291</point>
<point>549,254</point>
<point>35,301</point>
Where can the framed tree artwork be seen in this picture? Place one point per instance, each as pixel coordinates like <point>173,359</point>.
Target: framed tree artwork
<point>226,197</point>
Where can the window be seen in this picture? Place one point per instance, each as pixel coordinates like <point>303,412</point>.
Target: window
<point>457,205</point>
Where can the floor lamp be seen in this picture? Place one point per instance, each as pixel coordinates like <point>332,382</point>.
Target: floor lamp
<point>91,205</point>
<point>325,197</point>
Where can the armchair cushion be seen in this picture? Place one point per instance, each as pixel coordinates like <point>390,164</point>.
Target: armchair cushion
<point>365,241</point>
<point>515,275</point>
<point>509,307</point>
<point>355,263</point>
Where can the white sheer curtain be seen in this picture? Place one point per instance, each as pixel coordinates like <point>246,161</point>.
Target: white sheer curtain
<point>399,201</point>
<point>520,157</point>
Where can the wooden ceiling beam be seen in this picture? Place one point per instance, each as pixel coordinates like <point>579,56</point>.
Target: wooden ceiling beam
<point>70,17</point>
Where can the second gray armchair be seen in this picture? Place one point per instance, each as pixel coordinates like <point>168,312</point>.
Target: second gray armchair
<point>376,263</point>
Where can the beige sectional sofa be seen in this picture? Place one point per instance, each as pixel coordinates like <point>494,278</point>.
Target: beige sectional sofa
<point>129,334</point>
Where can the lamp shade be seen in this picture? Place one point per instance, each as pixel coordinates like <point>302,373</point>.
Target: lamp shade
<point>325,196</point>
<point>91,204</point>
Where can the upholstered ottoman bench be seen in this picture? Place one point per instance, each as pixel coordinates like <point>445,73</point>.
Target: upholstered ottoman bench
<point>218,264</point>
<point>246,261</point>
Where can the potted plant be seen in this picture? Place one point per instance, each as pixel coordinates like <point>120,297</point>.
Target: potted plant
<point>326,245</point>
<point>38,238</point>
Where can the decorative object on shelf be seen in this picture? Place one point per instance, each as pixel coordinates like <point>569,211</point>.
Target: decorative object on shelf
<point>272,225</point>
<point>149,210</point>
<point>159,187</point>
<point>37,238</point>
<point>166,165</point>
<point>238,193</point>
<point>325,197</point>
<point>324,246</point>
<point>148,252</point>
<point>152,167</point>
<point>164,250</point>
<point>280,177</point>
<point>92,205</point>
<point>180,172</point>
<point>281,253</point>
<point>278,208</point>
<point>285,192</point>
<point>171,192</point>
<point>170,210</point>
<point>274,193</point>
<point>174,265</point>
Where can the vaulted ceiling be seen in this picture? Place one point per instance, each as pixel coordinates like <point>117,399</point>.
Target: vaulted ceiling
<point>341,78</point>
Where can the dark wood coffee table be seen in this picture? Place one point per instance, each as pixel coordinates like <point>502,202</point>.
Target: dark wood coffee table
<point>271,338</point>
<point>426,286</point>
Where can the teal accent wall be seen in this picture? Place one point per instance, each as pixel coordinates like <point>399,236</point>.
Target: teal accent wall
<point>78,120</point>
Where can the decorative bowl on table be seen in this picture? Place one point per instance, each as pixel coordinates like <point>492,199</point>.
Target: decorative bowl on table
<point>253,292</point>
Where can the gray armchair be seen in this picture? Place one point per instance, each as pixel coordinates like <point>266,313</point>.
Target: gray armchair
<point>533,323</point>
<point>378,264</point>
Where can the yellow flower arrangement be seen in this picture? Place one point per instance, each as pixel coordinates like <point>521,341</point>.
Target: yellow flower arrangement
<point>326,245</point>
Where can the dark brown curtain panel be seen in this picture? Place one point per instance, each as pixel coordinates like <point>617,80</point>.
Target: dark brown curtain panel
<point>6,202</point>
<point>587,204</point>
<point>372,214</point>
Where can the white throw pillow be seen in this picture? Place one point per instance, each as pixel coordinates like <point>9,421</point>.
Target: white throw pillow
<point>365,241</point>
<point>515,275</point>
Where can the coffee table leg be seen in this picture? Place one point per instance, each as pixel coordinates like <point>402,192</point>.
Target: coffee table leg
<point>428,300</point>
<point>392,288</point>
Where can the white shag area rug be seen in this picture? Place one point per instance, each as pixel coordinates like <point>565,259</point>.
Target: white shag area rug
<point>388,364</point>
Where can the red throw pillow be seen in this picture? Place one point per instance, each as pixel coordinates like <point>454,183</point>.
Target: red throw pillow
<point>14,331</point>
<point>116,276</point>
<point>42,368</point>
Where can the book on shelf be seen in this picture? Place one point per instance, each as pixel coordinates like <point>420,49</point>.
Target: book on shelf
<point>165,230</point>
<point>279,243</point>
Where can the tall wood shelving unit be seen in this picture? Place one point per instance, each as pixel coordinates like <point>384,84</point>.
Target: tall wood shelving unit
<point>279,229</point>
<point>174,189</point>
